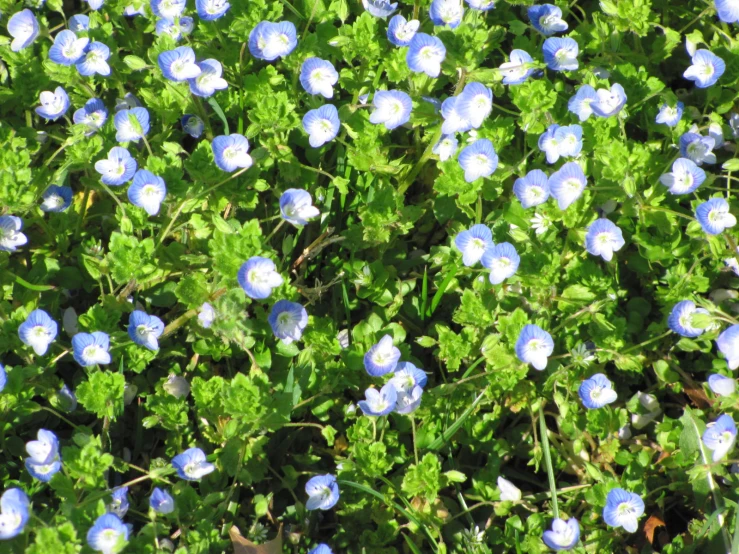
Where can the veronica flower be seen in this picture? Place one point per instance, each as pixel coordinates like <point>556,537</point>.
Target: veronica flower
<point>392,108</point>
<point>53,104</point>
<point>379,403</point>
<point>603,238</point>
<point>734,124</point>
<point>67,399</point>
<point>379,8</point>
<point>79,22</point>
<point>670,115</point>
<point>549,144</point>
<point>446,13</point>
<point>133,11</point>
<point>684,178</point>
<point>721,385</point>
<point>425,54</point>
<point>547,19</point>
<point>44,461</point>
<point>407,376</point>
<point>680,319</point>
<point>14,511</point>
<point>269,41</point>
<point>119,503</point>
<point>147,191</point>
<point>453,120</point>
<point>145,329</point>
<point>475,103</point>
<point>168,9</point>
<point>23,27</point>
<point>580,104</point>
<point>288,320</point>
<point>623,509</point>
<point>720,436</point>
<point>478,160</point>
<point>727,10</point>
<point>67,48</point>
<point>208,80</point>
<point>319,76</point>
<point>192,465</point>
<point>296,207</point>
<point>128,102</point>
<point>517,70</point>
<point>179,64</point>
<point>38,331</point>
<point>231,152</point>
<point>714,216</point>
<point>322,125</point>
<point>3,380</point>
<point>209,10</point>
<point>56,199</point>
<point>321,549</point>
<point>446,147</point>
<point>192,125</point>
<point>534,346</point>
<point>408,401</point>
<point>481,5</point>
<point>108,535</point>
<point>502,260</point>
<point>564,535</point>
<point>175,29</point>
<point>706,69</point>
<point>131,124</point>
<point>569,140</point>
<point>560,54</point>
<point>95,5</point>
<point>716,132</point>
<point>161,501</point>
<point>508,491</point>
<point>258,276</point>
<point>698,148</point>
<point>400,32</point>
<point>567,184</point>
<point>728,344</point>
<point>473,243</point>
<point>177,386</point>
<point>533,189</point>
<point>94,60</point>
<point>597,392</point>
<point>93,114</point>
<point>382,357</point>
<point>323,492</point>
<point>10,233</point>
<point>609,102</point>
<point>118,168</point>
<point>91,349</point>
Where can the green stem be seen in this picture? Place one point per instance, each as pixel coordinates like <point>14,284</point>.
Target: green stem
<point>548,460</point>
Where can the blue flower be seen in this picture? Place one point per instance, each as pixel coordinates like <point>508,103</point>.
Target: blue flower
<point>425,54</point>
<point>721,385</point>
<point>680,319</point>
<point>53,104</point>
<point>145,329</point>
<point>23,27</point>
<point>269,41</point>
<point>379,8</point>
<point>706,69</point>
<point>319,76</point>
<point>559,141</point>
<point>44,461</point>
<point>727,10</point>
<point>14,514</point>
<point>91,349</point>
<point>502,260</point>
<point>453,120</point>
<point>296,207</point>
<point>179,64</point>
<point>714,216</point>
<point>609,102</point>
<point>67,48</point>
<point>547,19</point>
<point>518,69</point>
<point>446,147</point>
<point>560,54</point>
<point>210,10</point>
<point>323,492</point>
<point>580,103</point>
<point>473,243</point>
<point>322,125</point>
<point>564,535</point>
<point>192,464</point>
<point>10,233</point>
<point>3,378</point>
<point>623,509</point>
<point>603,238</point>
<point>108,535</point>
<point>408,401</point>
<point>94,60</point>
<point>549,144</point>
<point>79,22</point>
<point>288,319</point>
<point>118,168</point>
<point>168,9</point>
<point>382,357</point>
<point>231,152</point>
<point>534,346</point>
<point>133,11</point>
<point>728,344</point>
<point>93,114</point>
<point>533,189</point>
<point>321,549</point>
<point>38,331</point>
<point>175,29</point>
<point>192,125</point>
<point>669,115</point>
<point>392,107</point>
<point>161,501</point>
<point>128,102</point>
<point>95,4</point>
<point>209,80</point>
<point>478,160</point>
<point>131,124</point>
<point>596,392</point>
<point>446,13</point>
<point>119,504</point>
<point>684,178</point>
<point>56,199</point>
<point>475,103</point>
<point>400,32</point>
<point>206,315</point>
<point>258,276</point>
<point>67,399</point>
<point>379,403</point>
<point>720,436</point>
<point>481,5</point>
<point>698,148</point>
<point>147,191</point>
<point>407,376</point>
<point>567,184</point>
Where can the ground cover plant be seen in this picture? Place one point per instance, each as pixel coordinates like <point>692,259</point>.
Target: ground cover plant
<point>319,276</point>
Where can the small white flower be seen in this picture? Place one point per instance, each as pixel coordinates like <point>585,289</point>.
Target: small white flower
<point>508,491</point>
<point>540,223</point>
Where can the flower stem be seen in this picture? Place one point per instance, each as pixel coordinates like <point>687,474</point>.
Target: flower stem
<point>548,460</point>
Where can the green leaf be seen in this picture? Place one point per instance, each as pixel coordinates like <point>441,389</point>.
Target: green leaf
<point>135,63</point>
<point>102,394</point>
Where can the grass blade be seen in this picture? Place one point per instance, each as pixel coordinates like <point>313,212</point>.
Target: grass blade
<point>446,435</point>
<point>219,112</point>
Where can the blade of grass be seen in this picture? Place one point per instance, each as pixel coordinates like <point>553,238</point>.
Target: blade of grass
<point>548,460</point>
<point>424,293</point>
<point>442,289</point>
<point>219,112</point>
<point>446,435</point>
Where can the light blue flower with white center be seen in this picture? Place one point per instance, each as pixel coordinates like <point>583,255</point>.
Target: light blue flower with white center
<point>288,320</point>
<point>323,492</point>
<point>714,216</point>
<point>14,513</point>
<point>93,114</point>
<point>322,125</point>
<point>10,233</point>
<point>38,331</point>
<point>684,178</point>
<point>478,160</point>
<point>597,392</point>
<point>206,315</point>
<point>698,148</point>
<point>408,401</point>
<point>670,115</point>
<point>446,13</point>
<point>94,60</point>
<point>534,346</point>
<point>716,132</point>
<point>560,54</point>
<point>379,403</point>
<point>502,260</point>
<point>391,108</point>
<point>44,461</point>
<point>721,385</point>
<point>475,103</point>
<point>118,168</point>
<point>569,140</point>
<point>727,10</point>
<point>400,31</point>
<point>56,199</point>
<point>269,41</point>
<point>67,399</point>
<point>623,509</point>
<point>609,102</point>
<point>119,504</point>
<point>603,238</point>
<point>481,5</point>
<point>168,9</point>
<point>147,191</point>
<point>231,152</point>
<point>23,27</point>
<point>3,378</point>
<point>179,64</point>
<point>518,69</point>
<point>209,79</point>
<point>192,125</point>
<point>446,147</point>
<point>533,189</point>
<point>580,103</point>
<point>133,11</point>
<point>175,28</point>
<point>407,376</point>
<point>319,76</point>
<point>296,207</point>
<point>681,316</point>
<point>79,22</point>
<point>425,54</point>
<point>719,437</point>
<point>567,184</point>
<point>145,329</point>
<point>95,5</point>
<point>453,120</point>
<point>728,344</point>
<point>382,357</point>
<point>161,501</point>
<point>258,276</point>
<point>210,10</point>
<point>108,535</point>
<point>131,124</point>
<point>706,68</point>
<point>380,8</point>
<point>192,464</point>
<point>91,348</point>
<point>53,104</point>
<point>473,243</point>
<point>67,48</point>
<point>321,549</point>
<point>564,535</point>
<point>549,143</point>
<point>547,19</point>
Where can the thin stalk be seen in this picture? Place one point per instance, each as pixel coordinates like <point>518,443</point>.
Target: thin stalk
<point>548,460</point>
